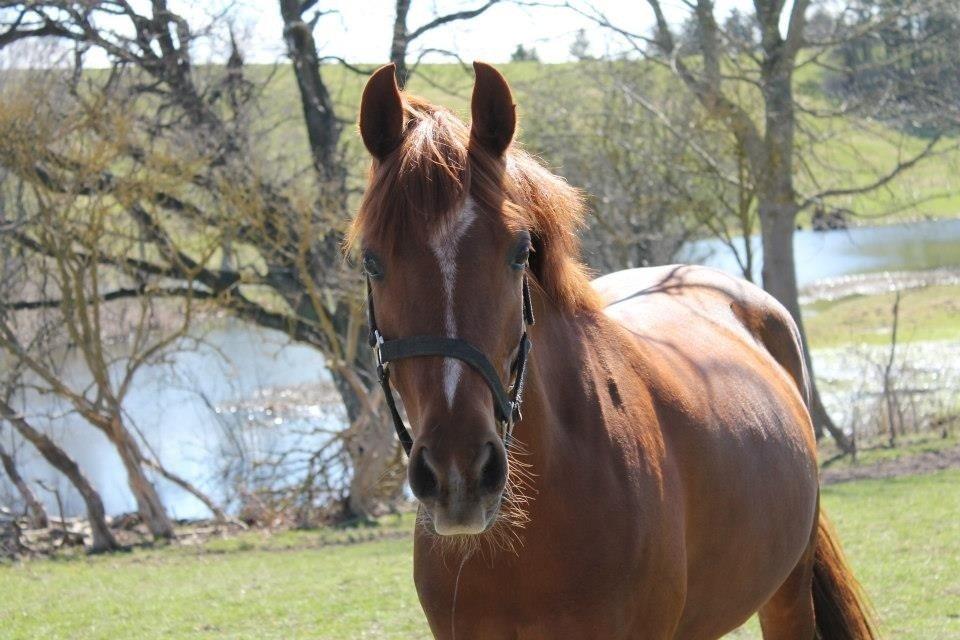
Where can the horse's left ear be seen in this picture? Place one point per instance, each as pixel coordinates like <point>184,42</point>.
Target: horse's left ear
<point>493,111</point>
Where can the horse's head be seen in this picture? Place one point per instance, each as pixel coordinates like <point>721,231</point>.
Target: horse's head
<point>447,224</point>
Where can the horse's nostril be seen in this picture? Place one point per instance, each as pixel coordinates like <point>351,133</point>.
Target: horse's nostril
<point>493,469</point>
<point>423,479</point>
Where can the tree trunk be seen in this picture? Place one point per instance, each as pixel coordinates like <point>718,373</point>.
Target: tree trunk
<point>372,447</point>
<point>323,128</point>
<point>378,473</point>
<point>778,271</point>
<point>778,216</point>
<point>102,537</point>
<point>38,517</point>
<point>777,205</point>
<point>149,505</point>
<point>400,42</point>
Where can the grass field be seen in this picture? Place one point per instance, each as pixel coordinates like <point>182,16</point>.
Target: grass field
<point>901,536</point>
<point>929,313</point>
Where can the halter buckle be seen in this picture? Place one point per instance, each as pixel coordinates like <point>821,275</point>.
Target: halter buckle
<point>378,343</point>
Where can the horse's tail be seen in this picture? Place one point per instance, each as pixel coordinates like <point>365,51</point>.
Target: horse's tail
<point>842,612</point>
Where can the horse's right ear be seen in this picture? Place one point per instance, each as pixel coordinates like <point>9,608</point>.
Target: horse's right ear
<point>493,111</point>
<point>381,113</point>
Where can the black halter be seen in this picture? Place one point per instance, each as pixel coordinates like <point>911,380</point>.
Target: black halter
<point>506,402</point>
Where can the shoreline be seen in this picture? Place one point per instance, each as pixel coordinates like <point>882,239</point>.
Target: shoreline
<point>880,282</point>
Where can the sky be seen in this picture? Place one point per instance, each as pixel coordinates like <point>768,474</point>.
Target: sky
<point>360,30</point>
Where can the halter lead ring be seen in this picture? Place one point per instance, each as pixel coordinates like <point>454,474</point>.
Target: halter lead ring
<point>506,402</point>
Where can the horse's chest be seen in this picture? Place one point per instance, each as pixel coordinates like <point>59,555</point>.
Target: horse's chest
<point>560,587</point>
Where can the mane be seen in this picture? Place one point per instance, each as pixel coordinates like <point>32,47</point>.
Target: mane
<point>429,176</point>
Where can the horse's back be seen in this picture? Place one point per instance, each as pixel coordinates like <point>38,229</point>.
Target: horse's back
<point>724,365</point>
<point>673,295</point>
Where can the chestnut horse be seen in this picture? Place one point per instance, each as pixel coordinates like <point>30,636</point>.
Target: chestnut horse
<point>662,480</point>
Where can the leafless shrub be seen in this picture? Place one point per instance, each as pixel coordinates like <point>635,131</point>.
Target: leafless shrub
<point>884,398</point>
<point>283,459</point>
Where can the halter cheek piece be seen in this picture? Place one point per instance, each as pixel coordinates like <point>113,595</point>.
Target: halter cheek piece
<point>506,402</point>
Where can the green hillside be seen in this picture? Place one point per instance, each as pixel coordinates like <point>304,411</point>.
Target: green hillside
<point>843,152</point>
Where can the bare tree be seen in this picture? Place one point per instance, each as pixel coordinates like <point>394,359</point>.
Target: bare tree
<point>894,419</point>
<point>665,178</point>
<point>102,537</point>
<point>195,131</point>
<point>10,277</point>
<point>69,232</point>
<point>728,77</point>
<point>284,228</point>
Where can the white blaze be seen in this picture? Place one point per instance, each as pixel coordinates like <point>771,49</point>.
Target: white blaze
<point>445,244</point>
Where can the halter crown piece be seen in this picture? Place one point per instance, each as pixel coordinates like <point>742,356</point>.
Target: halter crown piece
<point>506,402</point>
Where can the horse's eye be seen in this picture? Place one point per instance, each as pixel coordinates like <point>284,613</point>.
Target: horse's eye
<point>372,267</point>
<point>521,257</point>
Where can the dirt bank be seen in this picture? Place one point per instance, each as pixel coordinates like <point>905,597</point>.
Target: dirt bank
<point>906,465</point>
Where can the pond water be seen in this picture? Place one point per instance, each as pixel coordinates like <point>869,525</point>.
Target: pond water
<point>831,254</point>
<point>190,410</point>
<point>185,408</point>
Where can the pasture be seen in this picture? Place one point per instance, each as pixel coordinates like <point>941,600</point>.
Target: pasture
<point>900,535</point>
<point>929,313</point>
<point>176,207</point>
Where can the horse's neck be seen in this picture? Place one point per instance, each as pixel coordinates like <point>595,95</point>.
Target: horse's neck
<point>559,397</point>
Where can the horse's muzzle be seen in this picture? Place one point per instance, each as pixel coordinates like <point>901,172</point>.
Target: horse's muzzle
<point>461,492</point>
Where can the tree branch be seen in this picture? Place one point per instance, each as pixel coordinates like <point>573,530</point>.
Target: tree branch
<point>879,182</point>
<point>450,17</point>
<point>709,92</point>
<point>142,291</point>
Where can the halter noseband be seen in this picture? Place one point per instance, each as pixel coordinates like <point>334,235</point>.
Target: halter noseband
<point>506,402</point>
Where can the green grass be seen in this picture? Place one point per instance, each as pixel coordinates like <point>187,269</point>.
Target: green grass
<point>291,585</point>
<point>901,536</point>
<point>929,313</point>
